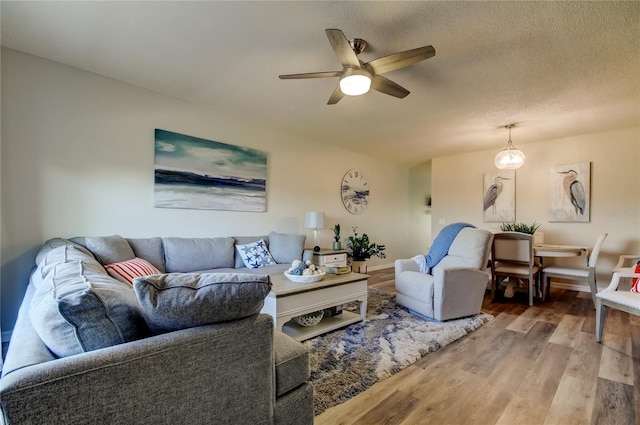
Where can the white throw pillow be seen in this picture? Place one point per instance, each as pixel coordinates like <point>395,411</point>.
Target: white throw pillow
<point>255,254</point>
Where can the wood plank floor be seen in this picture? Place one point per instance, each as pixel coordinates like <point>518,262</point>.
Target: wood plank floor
<point>531,365</point>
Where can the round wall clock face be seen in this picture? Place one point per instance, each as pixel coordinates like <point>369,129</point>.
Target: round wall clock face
<point>354,192</point>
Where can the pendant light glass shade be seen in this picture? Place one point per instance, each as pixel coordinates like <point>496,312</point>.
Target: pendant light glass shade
<point>510,158</point>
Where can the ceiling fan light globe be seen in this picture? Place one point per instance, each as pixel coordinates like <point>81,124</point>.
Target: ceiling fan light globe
<point>355,85</point>
<point>510,159</point>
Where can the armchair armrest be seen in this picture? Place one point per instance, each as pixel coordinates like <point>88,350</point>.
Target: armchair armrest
<point>458,291</point>
<point>405,265</point>
<point>615,279</point>
<point>626,261</point>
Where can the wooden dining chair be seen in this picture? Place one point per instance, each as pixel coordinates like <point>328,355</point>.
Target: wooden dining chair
<point>512,257</point>
<point>580,274</point>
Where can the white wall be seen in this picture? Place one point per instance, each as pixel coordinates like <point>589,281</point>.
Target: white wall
<point>419,212</point>
<point>78,157</point>
<point>615,191</point>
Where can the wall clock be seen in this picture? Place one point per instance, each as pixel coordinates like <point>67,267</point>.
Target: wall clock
<point>354,191</point>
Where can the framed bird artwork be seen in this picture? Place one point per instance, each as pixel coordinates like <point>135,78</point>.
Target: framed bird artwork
<point>499,200</point>
<point>570,192</point>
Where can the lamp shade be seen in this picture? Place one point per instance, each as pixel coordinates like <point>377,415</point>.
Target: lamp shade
<point>355,82</point>
<point>314,220</point>
<point>509,159</point>
<point>355,85</point>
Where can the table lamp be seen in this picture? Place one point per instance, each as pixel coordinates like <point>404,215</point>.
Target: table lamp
<point>315,221</point>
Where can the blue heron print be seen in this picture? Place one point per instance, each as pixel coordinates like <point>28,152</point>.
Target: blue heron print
<point>569,192</point>
<point>491,195</point>
<point>574,189</point>
<point>499,196</point>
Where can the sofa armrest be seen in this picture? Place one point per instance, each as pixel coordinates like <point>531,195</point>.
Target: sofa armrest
<point>458,291</point>
<point>307,254</point>
<point>405,265</point>
<point>221,373</point>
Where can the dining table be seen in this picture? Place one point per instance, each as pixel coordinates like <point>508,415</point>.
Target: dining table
<point>548,250</point>
<point>556,251</point>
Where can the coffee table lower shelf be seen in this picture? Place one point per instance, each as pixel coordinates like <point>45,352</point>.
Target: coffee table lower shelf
<point>288,300</point>
<point>301,333</point>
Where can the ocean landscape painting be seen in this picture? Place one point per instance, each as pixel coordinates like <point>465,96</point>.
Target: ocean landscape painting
<point>197,173</point>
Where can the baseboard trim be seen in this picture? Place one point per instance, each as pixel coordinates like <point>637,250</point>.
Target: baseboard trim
<point>570,286</point>
<point>380,267</point>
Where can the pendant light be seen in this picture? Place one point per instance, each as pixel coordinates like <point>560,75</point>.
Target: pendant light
<point>510,158</point>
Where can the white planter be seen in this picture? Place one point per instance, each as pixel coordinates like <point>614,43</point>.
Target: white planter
<point>359,266</point>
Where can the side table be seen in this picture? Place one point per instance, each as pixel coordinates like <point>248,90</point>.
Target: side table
<point>330,257</point>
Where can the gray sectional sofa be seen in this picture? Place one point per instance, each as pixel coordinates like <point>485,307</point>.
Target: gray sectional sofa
<point>173,348</point>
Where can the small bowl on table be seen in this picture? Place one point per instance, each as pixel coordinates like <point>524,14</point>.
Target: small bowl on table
<point>305,278</point>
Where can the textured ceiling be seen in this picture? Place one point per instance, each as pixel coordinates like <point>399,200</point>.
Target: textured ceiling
<point>557,69</point>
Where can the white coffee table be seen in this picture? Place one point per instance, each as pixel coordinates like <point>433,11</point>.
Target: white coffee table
<point>289,299</point>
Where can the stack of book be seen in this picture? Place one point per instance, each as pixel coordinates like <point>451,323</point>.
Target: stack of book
<point>337,269</point>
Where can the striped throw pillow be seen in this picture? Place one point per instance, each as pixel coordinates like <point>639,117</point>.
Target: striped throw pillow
<point>126,271</point>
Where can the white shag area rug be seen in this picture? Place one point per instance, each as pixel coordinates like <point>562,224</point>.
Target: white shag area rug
<point>347,361</point>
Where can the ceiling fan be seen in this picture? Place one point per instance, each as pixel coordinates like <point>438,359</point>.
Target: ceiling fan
<point>357,77</point>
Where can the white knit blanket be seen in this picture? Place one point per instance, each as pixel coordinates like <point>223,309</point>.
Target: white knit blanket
<point>421,260</point>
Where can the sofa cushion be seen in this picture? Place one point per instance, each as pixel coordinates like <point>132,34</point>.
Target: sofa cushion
<point>243,240</point>
<point>77,307</point>
<point>292,363</point>
<point>269,270</point>
<point>255,255</point>
<point>285,248</point>
<point>176,301</point>
<point>150,249</point>
<point>126,271</point>
<point>110,249</point>
<point>184,255</point>
<point>58,252</point>
<point>56,243</point>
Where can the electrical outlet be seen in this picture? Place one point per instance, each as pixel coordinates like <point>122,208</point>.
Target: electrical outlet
<point>441,221</point>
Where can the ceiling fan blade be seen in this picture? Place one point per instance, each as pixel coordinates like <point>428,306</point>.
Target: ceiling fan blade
<point>342,48</point>
<point>401,59</point>
<point>335,96</point>
<point>327,74</point>
<point>388,87</point>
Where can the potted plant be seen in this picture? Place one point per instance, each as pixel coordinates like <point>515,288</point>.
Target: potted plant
<point>530,229</point>
<point>336,237</point>
<point>361,249</point>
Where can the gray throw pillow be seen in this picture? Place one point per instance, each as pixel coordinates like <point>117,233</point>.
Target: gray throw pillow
<point>184,255</point>
<point>110,249</point>
<point>150,249</point>
<point>285,248</point>
<point>177,301</point>
<point>77,307</point>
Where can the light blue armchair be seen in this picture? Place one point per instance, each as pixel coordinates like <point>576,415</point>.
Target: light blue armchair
<point>455,287</point>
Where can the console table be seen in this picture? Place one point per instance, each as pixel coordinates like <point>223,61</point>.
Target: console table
<point>290,299</point>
